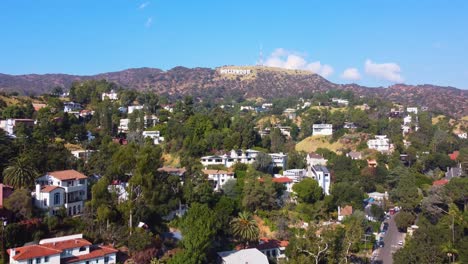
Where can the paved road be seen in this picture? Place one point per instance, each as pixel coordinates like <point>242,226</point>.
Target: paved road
<point>391,239</point>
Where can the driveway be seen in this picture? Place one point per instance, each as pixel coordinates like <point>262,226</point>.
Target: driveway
<point>391,239</point>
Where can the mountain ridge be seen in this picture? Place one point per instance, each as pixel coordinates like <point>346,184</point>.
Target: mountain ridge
<point>260,82</point>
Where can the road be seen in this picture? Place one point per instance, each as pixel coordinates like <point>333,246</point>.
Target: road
<point>391,239</point>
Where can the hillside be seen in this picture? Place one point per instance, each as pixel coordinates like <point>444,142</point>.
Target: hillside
<point>260,82</point>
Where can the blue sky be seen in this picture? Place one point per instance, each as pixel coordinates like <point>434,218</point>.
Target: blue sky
<point>369,42</point>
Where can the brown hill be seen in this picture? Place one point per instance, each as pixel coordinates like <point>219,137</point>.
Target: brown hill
<point>260,82</point>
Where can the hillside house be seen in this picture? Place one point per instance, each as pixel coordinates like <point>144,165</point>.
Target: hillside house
<point>344,212</point>
<point>154,135</point>
<point>133,108</point>
<point>290,113</point>
<point>250,255</point>
<point>380,143</point>
<point>112,95</point>
<point>323,177</point>
<point>10,125</point>
<point>413,110</point>
<point>65,249</point>
<point>354,155</point>
<point>296,175</point>
<point>58,189</point>
<point>322,129</point>
<point>71,107</point>
<point>218,177</point>
<point>247,157</point>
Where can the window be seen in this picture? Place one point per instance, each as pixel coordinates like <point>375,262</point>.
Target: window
<point>46,259</point>
<point>82,182</point>
<point>56,198</point>
<point>106,259</point>
<point>87,262</point>
<point>273,253</point>
<point>38,260</point>
<point>30,261</point>
<point>82,249</point>
<point>45,202</point>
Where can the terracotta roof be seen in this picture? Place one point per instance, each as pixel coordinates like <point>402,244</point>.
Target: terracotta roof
<point>278,180</point>
<point>67,175</point>
<point>454,155</point>
<point>208,172</point>
<point>314,155</point>
<point>49,188</point>
<point>97,252</point>
<point>266,243</point>
<point>440,182</point>
<point>33,251</point>
<point>347,210</point>
<point>68,244</point>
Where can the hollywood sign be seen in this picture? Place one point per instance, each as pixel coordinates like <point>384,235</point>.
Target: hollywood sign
<point>235,71</point>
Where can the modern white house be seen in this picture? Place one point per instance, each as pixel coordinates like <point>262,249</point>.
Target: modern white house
<point>61,189</point>
<point>407,120</point>
<point>290,113</point>
<point>112,95</point>
<point>218,177</point>
<point>69,107</point>
<point>238,156</point>
<point>413,110</point>
<point>250,255</point>
<point>340,101</point>
<point>154,135</point>
<point>380,143</point>
<point>65,249</point>
<point>123,125</point>
<point>132,108</point>
<point>315,159</point>
<point>322,129</point>
<point>323,177</point>
<point>9,125</point>
<point>120,190</point>
<point>296,175</point>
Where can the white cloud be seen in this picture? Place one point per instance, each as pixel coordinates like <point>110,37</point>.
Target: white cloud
<point>282,58</point>
<point>143,5</point>
<point>351,74</point>
<point>386,71</point>
<point>149,22</point>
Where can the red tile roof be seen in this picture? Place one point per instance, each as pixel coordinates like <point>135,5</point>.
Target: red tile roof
<point>67,175</point>
<point>266,243</point>
<point>49,188</point>
<point>97,252</point>
<point>33,251</point>
<point>68,244</point>
<point>278,180</point>
<point>454,155</point>
<point>440,182</point>
<point>347,210</point>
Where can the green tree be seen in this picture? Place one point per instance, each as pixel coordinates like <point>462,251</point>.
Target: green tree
<point>308,191</point>
<point>245,228</point>
<point>20,173</point>
<point>259,194</point>
<point>403,220</point>
<point>20,203</point>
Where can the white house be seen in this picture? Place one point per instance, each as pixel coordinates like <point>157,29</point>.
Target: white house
<point>378,196</point>
<point>65,249</point>
<point>219,177</point>
<point>273,248</point>
<point>315,159</point>
<point>412,110</point>
<point>69,107</point>
<point>323,177</point>
<point>58,189</point>
<point>250,255</point>
<point>322,129</point>
<point>354,155</point>
<point>267,105</point>
<point>407,120</point>
<point>344,212</point>
<point>462,135</point>
<point>9,125</point>
<point>112,95</point>
<point>246,157</point>
<point>295,174</point>
<point>132,108</point>
<point>154,135</point>
<point>246,108</point>
<point>120,190</point>
<point>290,113</point>
<point>380,143</point>
<point>123,125</point>
<point>340,101</point>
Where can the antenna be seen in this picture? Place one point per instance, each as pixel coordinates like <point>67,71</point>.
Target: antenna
<point>260,56</point>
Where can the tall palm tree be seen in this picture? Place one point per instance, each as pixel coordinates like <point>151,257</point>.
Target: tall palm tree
<point>245,228</point>
<point>20,173</point>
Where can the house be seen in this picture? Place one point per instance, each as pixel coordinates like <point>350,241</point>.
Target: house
<point>462,135</point>
<point>454,172</point>
<point>267,105</point>
<point>218,177</point>
<point>264,132</point>
<point>285,181</point>
<point>273,248</point>
<point>407,120</point>
<point>354,155</point>
<point>119,188</point>
<point>296,175</point>
<point>246,108</point>
<point>168,107</point>
<point>123,125</point>
<point>340,101</point>
<point>154,135</point>
<point>151,120</point>
<point>70,107</point>
<point>250,256</point>
<point>440,182</point>
<point>112,95</point>
<point>285,130</point>
<point>11,124</point>
<point>413,110</point>
<point>58,189</point>
<point>372,163</point>
<point>82,154</point>
<point>322,129</point>
<point>349,125</point>
<point>344,212</point>
<point>405,129</point>
<point>133,108</point>
<point>378,196</point>
<point>315,159</point>
<point>323,177</point>
<point>247,157</point>
<point>65,249</point>
<point>380,143</point>
<point>290,113</point>
<point>38,107</point>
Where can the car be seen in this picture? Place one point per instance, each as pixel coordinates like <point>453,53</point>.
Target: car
<point>381,244</point>
<point>400,243</point>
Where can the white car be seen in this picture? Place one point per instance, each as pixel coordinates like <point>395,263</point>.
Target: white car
<point>400,243</point>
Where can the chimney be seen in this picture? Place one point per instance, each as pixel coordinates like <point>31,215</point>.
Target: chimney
<point>12,252</point>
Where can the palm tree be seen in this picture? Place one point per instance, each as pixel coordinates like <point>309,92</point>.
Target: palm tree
<point>245,228</point>
<point>20,173</point>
